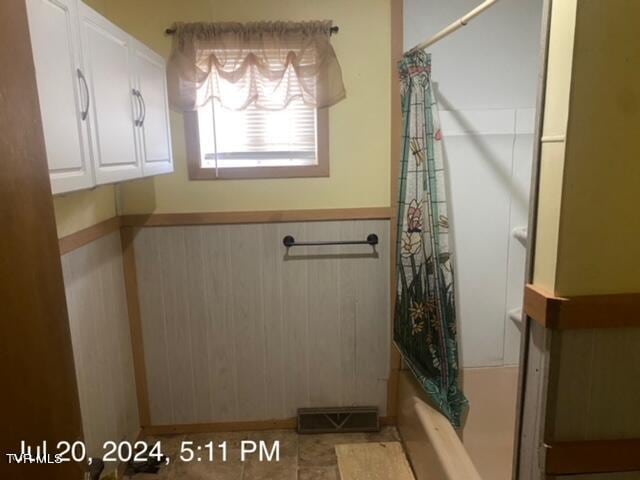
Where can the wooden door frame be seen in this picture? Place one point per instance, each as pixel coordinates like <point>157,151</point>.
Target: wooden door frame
<point>40,396</point>
<point>397,51</point>
<point>531,394</point>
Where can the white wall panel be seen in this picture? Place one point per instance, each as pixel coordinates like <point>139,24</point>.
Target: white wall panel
<point>237,329</point>
<point>94,284</point>
<point>489,156</point>
<point>519,217</point>
<point>485,77</point>
<point>490,63</point>
<point>480,170</point>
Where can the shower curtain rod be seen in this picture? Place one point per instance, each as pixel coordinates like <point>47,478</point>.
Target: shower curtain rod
<point>461,22</point>
<point>332,30</point>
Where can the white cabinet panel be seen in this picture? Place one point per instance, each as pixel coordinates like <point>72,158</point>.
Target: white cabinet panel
<point>153,126</point>
<point>107,49</point>
<point>57,57</point>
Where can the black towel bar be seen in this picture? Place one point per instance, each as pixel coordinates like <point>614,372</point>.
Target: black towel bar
<point>289,241</point>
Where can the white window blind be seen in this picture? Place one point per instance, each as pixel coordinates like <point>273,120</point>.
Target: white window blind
<point>257,138</point>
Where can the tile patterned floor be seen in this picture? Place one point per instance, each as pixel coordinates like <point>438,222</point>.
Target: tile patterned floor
<point>302,457</point>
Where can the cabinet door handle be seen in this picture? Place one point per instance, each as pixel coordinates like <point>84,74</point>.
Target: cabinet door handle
<point>144,108</point>
<point>83,81</point>
<point>136,94</point>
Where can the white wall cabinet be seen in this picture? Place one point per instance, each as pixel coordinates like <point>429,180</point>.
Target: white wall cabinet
<point>63,90</point>
<point>109,74</point>
<point>103,98</point>
<point>150,89</point>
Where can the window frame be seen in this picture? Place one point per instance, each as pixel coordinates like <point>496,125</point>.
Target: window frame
<point>197,172</point>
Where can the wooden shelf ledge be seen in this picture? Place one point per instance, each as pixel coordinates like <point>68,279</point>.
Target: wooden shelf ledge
<point>581,312</point>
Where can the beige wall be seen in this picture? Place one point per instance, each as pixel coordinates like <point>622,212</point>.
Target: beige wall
<point>588,222</point>
<point>556,114</point>
<point>78,210</point>
<point>599,241</point>
<point>359,125</point>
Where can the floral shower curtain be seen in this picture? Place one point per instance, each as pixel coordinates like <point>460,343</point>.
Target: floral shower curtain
<point>425,323</point>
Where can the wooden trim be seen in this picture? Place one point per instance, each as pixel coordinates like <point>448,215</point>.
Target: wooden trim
<point>603,456</point>
<point>282,424</point>
<point>78,239</point>
<point>534,372</point>
<point>397,48</point>
<point>40,399</point>
<point>192,143</point>
<point>541,305</point>
<point>127,235</point>
<point>600,311</point>
<point>585,311</point>
<point>273,216</point>
<point>83,237</point>
<point>196,172</point>
<point>285,424</point>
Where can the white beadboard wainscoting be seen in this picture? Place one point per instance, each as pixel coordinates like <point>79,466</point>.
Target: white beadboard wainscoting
<point>235,329</point>
<point>96,300</point>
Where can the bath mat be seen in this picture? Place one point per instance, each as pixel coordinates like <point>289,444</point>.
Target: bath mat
<point>373,461</point>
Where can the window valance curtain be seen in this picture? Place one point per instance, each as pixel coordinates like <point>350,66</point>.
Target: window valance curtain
<point>266,64</point>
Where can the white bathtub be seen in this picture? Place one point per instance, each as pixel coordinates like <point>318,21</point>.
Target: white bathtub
<point>489,430</point>
<point>437,451</point>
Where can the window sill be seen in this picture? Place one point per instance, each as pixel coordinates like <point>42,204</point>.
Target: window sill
<point>198,173</point>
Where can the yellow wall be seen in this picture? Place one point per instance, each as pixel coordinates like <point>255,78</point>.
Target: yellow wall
<point>359,125</point>
<point>556,113</point>
<point>75,211</point>
<point>588,221</point>
<point>599,242</point>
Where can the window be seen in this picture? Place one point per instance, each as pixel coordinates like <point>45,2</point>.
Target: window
<point>255,97</point>
<point>258,143</point>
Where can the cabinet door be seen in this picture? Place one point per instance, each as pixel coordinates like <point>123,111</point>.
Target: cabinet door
<point>107,54</point>
<point>154,131</point>
<point>62,92</point>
